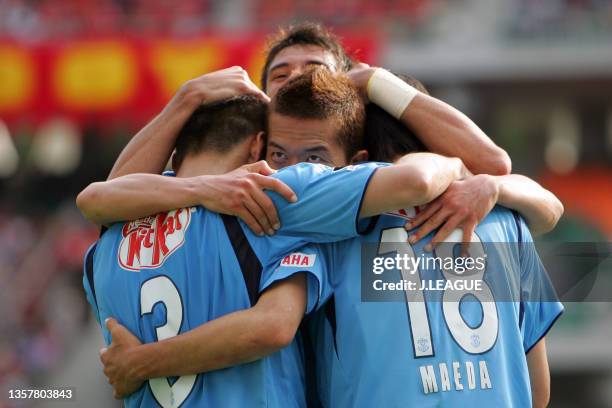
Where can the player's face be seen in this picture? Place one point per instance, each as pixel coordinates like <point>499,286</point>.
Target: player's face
<point>293,61</point>
<point>292,141</point>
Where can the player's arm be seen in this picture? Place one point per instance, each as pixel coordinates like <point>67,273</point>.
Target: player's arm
<point>150,149</point>
<point>328,211</point>
<point>442,128</point>
<point>236,338</point>
<point>415,179</point>
<point>332,204</point>
<point>539,374</point>
<point>445,130</point>
<point>138,195</point>
<point>540,208</point>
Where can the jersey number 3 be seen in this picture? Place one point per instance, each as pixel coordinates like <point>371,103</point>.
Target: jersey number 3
<point>162,290</point>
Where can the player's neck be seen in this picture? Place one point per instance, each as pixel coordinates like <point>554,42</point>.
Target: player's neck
<point>209,163</point>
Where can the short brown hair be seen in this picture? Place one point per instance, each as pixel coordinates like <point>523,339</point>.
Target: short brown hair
<point>321,94</point>
<point>386,138</point>
<point>219,126</point>
<point>304,34</point>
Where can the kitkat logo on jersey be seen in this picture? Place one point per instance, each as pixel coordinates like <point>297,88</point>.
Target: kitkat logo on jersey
<point>149,241</point>
<point>298,259</point>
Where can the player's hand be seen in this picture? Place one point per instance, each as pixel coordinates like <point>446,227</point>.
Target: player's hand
<point>240,193</point>
<point>219,85</point>
<point>117,367</point>
<point>360,74</point>
<point>463,205</point>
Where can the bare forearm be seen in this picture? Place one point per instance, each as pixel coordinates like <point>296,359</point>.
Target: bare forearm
<point>539,375</point>
<point>225,342</point>
<point>540,208</point>
<point>445,130</point>
<point>150,149</point>
<point>449,169</point>
<point>136,196</point>
<point>415,179</point>
<point>232,339</point>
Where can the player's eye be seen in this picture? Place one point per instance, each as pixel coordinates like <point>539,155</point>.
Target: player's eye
<point>279,77</point>
<point>313,158</point>
<point>278,157</point>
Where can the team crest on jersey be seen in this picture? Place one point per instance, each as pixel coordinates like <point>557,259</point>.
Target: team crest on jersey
<point>149,241</point>
<point>298,259</point>
<point>475,340</point>
<point>423,345</point>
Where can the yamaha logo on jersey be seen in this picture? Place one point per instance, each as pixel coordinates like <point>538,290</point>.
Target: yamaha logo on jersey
<point>149,241</point>
<point>299,259</point>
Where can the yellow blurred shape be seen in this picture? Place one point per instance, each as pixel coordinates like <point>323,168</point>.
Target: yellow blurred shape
<point>95,76</point>
<point>177,62</point>
<point>256,64</point>
<point>17,78</point>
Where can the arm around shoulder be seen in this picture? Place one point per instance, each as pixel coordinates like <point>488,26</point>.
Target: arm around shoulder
<point>540,207</point>
<point>415,179</point>
<point>138,195</point>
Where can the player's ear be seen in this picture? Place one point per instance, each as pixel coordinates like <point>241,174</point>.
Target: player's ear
<point>360,156</point>
<point>256,150</point>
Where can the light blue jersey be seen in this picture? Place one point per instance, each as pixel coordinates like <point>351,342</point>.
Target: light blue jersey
<point>167,274</point>
<point>419,350</point>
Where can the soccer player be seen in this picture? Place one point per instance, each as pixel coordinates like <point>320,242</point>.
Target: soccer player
<point>201,363</point>
<point>291,51</point>
<point>172,272</point>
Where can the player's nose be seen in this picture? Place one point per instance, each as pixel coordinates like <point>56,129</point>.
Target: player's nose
<point>295,72</point>
<point>293,160</point>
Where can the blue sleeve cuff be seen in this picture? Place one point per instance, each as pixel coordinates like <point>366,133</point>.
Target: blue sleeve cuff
<point>313,286</point>
<point>366,225</point>
<point>545,329</point>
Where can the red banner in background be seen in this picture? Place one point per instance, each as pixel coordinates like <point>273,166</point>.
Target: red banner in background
<point>94,80</point>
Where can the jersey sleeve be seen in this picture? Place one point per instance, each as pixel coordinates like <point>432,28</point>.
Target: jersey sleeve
<point>540,306</point>
<point>88,282</point>
<point>329,201</point>
<point>311,260</point>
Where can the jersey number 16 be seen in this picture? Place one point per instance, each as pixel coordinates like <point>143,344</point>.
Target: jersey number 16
<point>473,340</point>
